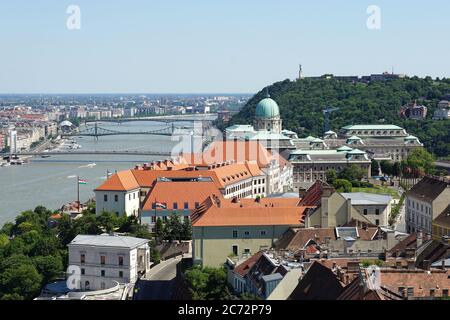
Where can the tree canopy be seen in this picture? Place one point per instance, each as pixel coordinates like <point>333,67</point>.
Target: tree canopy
<point>302,103</point>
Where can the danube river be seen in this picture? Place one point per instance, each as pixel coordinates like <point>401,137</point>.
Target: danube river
<point>52,181</point>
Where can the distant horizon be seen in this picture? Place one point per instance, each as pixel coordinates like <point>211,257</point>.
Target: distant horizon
<point>126,93</point>
<point>197,93</point>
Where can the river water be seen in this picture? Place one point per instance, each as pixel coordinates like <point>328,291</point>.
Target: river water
<point>52,181</point>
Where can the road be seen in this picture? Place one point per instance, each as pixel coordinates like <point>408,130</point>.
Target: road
<point>400,225</point>
<point>159,282</point>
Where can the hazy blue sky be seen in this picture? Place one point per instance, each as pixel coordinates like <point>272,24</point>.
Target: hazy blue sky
<point>188,46</point>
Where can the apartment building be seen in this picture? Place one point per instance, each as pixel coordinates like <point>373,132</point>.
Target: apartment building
<point>424,202</point>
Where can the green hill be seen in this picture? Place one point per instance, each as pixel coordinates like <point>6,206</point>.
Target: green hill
<point>301,103</point>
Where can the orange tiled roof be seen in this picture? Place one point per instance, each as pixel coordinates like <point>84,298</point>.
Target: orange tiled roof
<point>222,175</point>
<point>180,192</point>
<point>237,151</point>
<point>120,181</point>
<point>422,281</point>
<point>224,212</point>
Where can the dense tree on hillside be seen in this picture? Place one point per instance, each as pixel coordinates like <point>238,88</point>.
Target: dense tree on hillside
<point>302,102</point>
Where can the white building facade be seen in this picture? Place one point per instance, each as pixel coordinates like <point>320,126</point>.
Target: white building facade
<point>119,202</point>
<point>105,259</point>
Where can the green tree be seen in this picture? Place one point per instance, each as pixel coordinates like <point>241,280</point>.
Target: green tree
<point>50,267</point>
<point>186,232</point>
<point>19,277</point>
<point>387,167</point>
<point>4,240</point>
<point>342,185</point>
<point>208,283</point>
<point>352,173</point>
<point>421,160</point>
<point>107,221</point>
<point>331,175</point>
<point>374,168</point>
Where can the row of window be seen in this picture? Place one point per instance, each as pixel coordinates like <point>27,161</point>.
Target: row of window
<point>102,273</point>
<point>116,197</point>
<point>377,212</point>
<point>409,292</point>
<point>416,205</point>
<point>397,132</point>
<point>102,259</point>
<point>175,205</point>
<point>420,220</point>
<point>246,234</point>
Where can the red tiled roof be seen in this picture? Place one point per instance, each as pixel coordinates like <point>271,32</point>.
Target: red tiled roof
<point>314,195</point>
<point>243,268</point>
<point>190,192</point>
<point>223,212</point>
<point>120,181</point>
<point>237,151</point>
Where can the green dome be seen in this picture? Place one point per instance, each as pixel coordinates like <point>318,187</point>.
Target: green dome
<point>267,108</point>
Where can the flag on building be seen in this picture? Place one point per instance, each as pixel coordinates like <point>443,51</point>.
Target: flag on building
<point>160,205</point>
<point>82,181</point>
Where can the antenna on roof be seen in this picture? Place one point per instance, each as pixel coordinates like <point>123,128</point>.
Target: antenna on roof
<point>267,92</point>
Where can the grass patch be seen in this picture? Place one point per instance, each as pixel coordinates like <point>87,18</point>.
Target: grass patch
<point>378,190</point>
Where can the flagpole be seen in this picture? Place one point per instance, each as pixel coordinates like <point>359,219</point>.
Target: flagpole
<point>78,193</point>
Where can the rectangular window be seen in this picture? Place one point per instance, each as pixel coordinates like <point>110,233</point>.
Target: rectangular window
<point>105,197</point>
<point>153,219</point>
<point>102,259</point>
<point>235,250</point>
<point>445,292</point>
<point>247,251</point>
<point>120,261</point>
<point>186,205</point>
<point>235,234</point>
<point>263,232</point>
<point>246,234</point>
<point>377,222</point>
<point>103,273</point>
<point>116,198</point>
<point>82,258</point>
<point>82,271</point>
<point>175,205</point>
<point>120,274</point>
<point>432,292</point>
<point>411,292</point>
<point>365,212</point>
<point>377,212</point>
